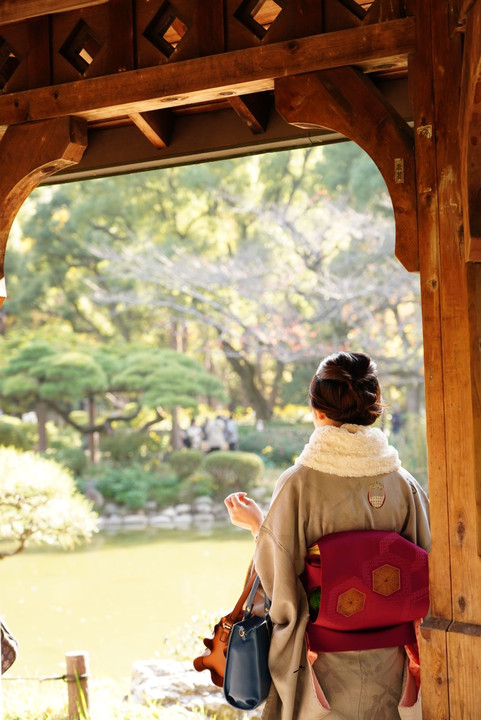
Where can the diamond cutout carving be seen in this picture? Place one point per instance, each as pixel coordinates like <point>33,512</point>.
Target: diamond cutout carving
<point>166,30</point>
<point>81,47</point>
<point>9,62</point>
<point>258,15</point>
<point>350,602</point>
<point>386,580</point>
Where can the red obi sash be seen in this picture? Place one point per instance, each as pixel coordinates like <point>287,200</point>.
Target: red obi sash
<point>373,585</point>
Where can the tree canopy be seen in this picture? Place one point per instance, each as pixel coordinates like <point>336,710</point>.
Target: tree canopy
<point>250,270</point>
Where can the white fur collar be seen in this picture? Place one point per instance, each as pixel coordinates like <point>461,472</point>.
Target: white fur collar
<point>349,451</point>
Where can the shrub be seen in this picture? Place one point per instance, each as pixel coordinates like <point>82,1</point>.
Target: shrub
<point>185,462</point>
<point>124,445</point>
<point>13,435</point>
<point>133,486</point>
<point>233,470</point>
<point>128,486</point>
<point>278,445</point>
<point>164,489</point>
<point>197,484</point>
<point>39,501</point>
<point>74,459</point>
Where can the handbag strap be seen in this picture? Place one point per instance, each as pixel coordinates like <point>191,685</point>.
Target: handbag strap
<point>250,601</point>
<point>245,593</point>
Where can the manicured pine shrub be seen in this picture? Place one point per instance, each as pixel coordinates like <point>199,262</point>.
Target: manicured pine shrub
<point>125,445</point>
<point>233,471</point>
<point>185,462</point>
<point>278,445</point>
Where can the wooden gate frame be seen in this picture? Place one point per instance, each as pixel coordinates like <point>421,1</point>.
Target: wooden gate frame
<point>433,173</point>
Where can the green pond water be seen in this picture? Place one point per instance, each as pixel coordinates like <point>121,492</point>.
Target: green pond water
<point>118,598</point>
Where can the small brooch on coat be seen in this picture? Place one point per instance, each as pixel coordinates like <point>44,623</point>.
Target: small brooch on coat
<point>376,494</point>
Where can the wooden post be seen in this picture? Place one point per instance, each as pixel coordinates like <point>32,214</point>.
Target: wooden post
<point>77,682</point>
<point>28,154</point>
<point>433,646</point>
<point>450,292</point>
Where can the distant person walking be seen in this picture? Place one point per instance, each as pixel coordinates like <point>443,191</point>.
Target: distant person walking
<point>231,432</point>
<point>397,421</point>
<point>215,434</point>
<point>194,433</point>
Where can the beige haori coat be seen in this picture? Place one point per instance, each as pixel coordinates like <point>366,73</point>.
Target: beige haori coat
<point>331,488</point>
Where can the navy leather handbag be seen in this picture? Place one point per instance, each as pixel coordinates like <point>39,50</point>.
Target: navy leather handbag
<point>247,679</point>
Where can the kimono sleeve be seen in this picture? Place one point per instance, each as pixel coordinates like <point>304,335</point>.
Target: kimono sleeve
<point>416,526</point>
<point>279,559</point>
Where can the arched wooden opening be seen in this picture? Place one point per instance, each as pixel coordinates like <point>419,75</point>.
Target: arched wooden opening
<point>334,99</point>
<point>29,154</point>
<point>228,55</point>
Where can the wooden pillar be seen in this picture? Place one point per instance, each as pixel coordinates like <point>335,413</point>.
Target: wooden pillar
<point>450,291</point>
<point>28,154</point>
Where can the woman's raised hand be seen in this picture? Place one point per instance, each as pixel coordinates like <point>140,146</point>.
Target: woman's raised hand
<point>244,512</point>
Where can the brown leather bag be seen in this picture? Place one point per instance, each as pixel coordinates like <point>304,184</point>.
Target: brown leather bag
<point>213,658</point>
<point>9,647</point>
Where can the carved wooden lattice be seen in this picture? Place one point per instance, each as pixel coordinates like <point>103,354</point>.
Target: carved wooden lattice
<point>8,62</point>
<point>81,47</point>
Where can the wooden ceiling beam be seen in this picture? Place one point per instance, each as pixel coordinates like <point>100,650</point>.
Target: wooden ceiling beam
<point>12,11</point>
<point>197,138</point>
<point>156,126</point>
<point>204,79</point>
<point>253,110</point>
<point>382,10</point>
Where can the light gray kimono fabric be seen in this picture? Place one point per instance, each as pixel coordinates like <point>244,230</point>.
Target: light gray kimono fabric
<point>308,504</point>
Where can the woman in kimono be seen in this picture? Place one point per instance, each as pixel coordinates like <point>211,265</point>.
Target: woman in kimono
<point>347,477</point>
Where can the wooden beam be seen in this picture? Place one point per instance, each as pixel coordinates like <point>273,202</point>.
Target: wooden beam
<point>155,125</point>
<point>202,136</point>
<point>28,154</point>
<point>470,133</point>
<point>382,10</point>
<point>343,99</point>
<point>253,110</point>
<point>12,11</point>
<point>197,138</point>
<point>209,78</point>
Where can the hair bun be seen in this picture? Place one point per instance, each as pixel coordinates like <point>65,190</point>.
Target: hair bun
<point>346,389</point>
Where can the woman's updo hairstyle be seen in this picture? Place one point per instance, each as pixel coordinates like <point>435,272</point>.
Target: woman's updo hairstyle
<point>346,389</point>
